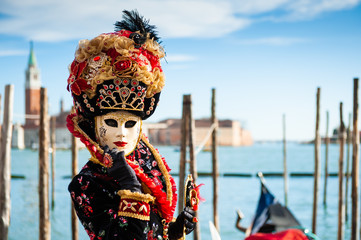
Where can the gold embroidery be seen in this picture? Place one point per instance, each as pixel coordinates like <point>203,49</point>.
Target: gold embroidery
<point>134,215</point>
<point>129,205</point>
<point>143,208</point>
<point>113,96</point>
<point>122,118</point>
<point>134,204</point>
<point>136,196</point>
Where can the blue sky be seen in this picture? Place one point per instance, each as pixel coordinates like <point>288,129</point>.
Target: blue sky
<point>266,58</point>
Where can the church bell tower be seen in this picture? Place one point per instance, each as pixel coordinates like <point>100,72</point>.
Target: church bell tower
<point>32,91</point>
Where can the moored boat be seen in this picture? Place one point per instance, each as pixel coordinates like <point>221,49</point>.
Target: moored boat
<point>273,221</point>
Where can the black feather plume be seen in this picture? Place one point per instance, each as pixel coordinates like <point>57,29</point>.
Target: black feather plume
<point>133,22</point>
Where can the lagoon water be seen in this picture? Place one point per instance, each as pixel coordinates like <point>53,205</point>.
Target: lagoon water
<point>234,192</point>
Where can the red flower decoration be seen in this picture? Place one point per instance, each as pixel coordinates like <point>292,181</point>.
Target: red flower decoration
<point>122,65</point>
<point>79,85</point>
<point>76,84</point>
<point>112,53</point>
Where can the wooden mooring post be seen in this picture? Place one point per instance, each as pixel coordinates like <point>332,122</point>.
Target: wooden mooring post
<point>348,141</point>
<point>327,142</point>
<point>188,128</point>
<point>0,121</point>
<point>341,206</point>
<point>215,170</point>
<point>74,167</point>
<point>53,150</point>
<point>317,163</point>
<point>183,153</point>
<point>355,166</point>
<point>191,141</point>
<point>192,159</point>
<point>44,219</point>
<point>5,162</point>
<point>285,161</point>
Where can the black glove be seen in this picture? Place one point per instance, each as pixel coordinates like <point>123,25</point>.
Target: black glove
<point>185,219</point>
<point>121,171</point>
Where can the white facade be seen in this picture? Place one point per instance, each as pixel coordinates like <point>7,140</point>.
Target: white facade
<point>17,140</point>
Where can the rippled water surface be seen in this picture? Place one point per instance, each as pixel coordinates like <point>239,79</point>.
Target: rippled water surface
<point>234,192</point>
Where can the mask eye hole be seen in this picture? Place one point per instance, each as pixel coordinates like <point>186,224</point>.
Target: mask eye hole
<point>130,123</point>
<point>111,122</point>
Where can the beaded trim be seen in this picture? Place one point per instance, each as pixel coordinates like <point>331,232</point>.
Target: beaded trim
<point>136,196</point>
<point>121,96</point>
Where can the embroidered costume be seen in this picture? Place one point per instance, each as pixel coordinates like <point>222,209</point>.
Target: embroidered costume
<point>125,191</point>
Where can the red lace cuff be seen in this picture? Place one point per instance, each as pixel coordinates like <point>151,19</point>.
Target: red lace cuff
<point>135,205</point>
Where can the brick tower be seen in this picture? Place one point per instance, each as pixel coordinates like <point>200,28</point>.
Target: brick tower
<point>32,91</point>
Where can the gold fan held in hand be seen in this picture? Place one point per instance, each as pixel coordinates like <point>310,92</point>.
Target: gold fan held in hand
<point>191,199</point>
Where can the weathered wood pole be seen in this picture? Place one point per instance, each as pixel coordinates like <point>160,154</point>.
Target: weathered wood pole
<point>0,121</point>
<point>355,166</point>
<point>74,167</point>
<point>327,142</point>
<point>53,148</point>
<point>191,127</point>
<point>317,163</point>
<point>183,153</point>
<point>341,206</point>
<point>285,161</point>
<point>348,141</point>
<point>5,162</point>
<point>215,170</point>
<point>44,219</point>
<point>192,157</point>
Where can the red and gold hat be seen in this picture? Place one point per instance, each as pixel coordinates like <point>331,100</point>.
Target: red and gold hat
<point>119,70</point>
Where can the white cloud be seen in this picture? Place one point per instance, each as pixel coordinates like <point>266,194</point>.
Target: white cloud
<point>303,9</point>
<point>288,10</point>
<point>198,19</point>
<point>275,41</point>
<point>5,53</point>
<point>46,20</point>
<point>250,7</point>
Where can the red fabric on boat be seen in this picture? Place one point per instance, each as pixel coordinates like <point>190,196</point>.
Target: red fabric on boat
<point>290,234</point>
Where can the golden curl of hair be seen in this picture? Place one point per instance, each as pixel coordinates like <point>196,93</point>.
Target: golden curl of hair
<point>153,47</point>
<point>81,55</point>
<point>158,84</point>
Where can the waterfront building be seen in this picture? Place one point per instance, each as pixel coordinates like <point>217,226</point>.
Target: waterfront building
<point>230,133</point>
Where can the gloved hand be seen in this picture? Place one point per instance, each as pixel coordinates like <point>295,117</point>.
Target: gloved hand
<point>121,171</point>
<point>185,219</point>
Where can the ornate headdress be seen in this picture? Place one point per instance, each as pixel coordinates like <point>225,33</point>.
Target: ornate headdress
<point>119,70</point>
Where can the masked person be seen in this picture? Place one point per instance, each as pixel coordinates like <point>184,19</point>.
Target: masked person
<point>125,191</point>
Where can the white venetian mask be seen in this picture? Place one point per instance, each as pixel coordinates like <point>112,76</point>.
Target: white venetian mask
<point>119,129</point>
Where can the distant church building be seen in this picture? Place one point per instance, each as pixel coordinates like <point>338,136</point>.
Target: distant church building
<point>27,136</point>
<point>32,101</point>
<point>32,91</point>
